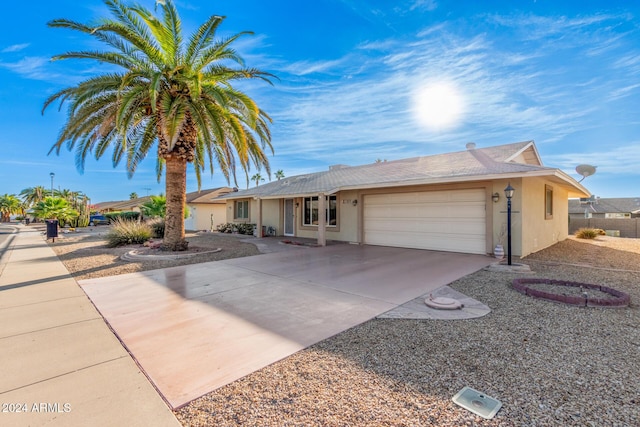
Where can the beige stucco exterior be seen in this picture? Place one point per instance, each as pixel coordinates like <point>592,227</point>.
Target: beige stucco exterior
<point>531,230</point>
<point>206,216</point>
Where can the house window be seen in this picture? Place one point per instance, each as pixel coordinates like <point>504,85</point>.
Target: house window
<point>548,202</point>
<point>310,214</point>
<point>241,209</point>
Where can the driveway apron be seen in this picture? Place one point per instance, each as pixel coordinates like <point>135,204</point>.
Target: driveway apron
<point>199,327</point>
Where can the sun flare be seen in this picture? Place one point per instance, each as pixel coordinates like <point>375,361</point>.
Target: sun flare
<point>439,106</point>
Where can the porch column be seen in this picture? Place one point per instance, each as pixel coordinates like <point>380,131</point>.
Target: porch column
<point>258,218</point>
<point>322,219</point>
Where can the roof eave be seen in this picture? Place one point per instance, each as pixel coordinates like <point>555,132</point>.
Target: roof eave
<point>575,189</point>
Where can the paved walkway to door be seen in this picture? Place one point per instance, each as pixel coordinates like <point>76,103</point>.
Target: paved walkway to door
<point>198,327</point>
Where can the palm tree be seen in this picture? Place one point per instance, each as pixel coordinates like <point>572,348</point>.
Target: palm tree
<point>257,178</point>
<point>9,204</point>
<point>55,208</point>
<point>177,93</point>
<point>32,195</point>
<point>279,174</point>
<point>133,195</point>
<point>156,206</point>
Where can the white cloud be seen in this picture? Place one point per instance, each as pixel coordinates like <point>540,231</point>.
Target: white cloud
<point>32,67</point>
<point>511,93</point>
<point>428,5</point>
<point>15,48</point>
<point>622,160</point>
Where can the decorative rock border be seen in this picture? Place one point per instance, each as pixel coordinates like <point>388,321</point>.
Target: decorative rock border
<point>620,299</point>
<point>135,255</point>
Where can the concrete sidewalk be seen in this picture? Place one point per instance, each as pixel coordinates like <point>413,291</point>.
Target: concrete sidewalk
<point>60,364</point>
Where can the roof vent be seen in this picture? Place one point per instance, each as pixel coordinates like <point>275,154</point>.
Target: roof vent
<point>471,146</point>
<point>336,167</point>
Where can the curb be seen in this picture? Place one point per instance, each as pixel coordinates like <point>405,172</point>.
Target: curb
<point>6,247</point>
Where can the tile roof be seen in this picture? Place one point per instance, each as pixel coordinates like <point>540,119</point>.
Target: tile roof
<point>468,165</point>
<point>607,205</point>
<point>208,196</point>
<point>202,196</point>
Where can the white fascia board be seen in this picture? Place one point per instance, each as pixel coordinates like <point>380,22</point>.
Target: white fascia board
<point>532,145</point>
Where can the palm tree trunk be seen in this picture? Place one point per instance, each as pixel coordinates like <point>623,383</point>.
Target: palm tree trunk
<point>176,187</point>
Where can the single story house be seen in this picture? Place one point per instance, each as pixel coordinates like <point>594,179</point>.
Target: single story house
<point>206,211</point>
<point>120,205</point>
<point>447,202</point>
<point>600,207</point>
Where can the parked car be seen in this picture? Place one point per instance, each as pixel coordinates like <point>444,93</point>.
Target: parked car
<point>98,220</point>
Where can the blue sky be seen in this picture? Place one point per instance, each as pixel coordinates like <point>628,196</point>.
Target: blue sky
<point>365,79</point>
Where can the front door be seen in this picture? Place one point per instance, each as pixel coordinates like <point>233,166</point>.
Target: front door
<point>289,217</point>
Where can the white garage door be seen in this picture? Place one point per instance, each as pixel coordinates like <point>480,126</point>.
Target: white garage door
<point>439,220</point>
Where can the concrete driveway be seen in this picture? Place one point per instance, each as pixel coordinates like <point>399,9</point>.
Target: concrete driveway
<point>198,327</point>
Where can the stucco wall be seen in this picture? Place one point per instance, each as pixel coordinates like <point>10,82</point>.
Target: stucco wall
<point>499,215</point>
<point>347,227</point>
<point>201,214</point>
<point>539,232</point>
<point>271,214</point>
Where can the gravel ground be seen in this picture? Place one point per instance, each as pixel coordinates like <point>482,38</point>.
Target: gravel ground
<point>549,364</point>
<point>86,255</point>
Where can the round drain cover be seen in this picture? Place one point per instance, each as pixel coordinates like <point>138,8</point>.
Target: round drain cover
<point>443,303</point>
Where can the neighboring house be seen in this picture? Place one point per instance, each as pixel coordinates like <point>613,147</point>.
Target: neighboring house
<point>120,205</point>
<point>449,202</point>
<point>206,211</point>
<point>609,208</point>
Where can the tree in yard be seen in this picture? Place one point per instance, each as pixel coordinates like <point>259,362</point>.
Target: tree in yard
<point>55,208</point>
<point>156,206</point>
<point>257,178</point>
<point>178,94</point>
<point>9,204</point>
<point>279,174</point>
<point>32,195</point>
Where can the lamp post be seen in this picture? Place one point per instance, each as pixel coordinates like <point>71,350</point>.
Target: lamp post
<point>52,175</point>
<point>508,192</point>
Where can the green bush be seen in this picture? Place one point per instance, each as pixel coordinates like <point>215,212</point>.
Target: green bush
<point>127,215</point>
<point>240,228</point>
<point>587,233</point>
<point>226,228</point>
<point>245,228</point>
<point>157,227</point>
<point>124,232</point>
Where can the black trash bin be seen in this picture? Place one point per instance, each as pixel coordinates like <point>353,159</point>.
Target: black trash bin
<point>52,229</point>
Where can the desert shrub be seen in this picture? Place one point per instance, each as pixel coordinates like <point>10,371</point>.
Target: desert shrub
<point>157,227</point>
<point>127,215</point>
<point>226,228</point>
<point>240,228</point>
<point>125,232</point>
<point>601,232</point>
<point>587,233</point>
<point>245,228</point>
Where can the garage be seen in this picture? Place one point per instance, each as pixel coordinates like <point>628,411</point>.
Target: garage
<point>453,220</point>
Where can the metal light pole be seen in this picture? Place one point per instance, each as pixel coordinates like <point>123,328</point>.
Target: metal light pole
<point>508,192</point>
<point>52,175</point>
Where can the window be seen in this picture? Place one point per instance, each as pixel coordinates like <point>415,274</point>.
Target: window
<point>310,214</point>
<point>548,202</point>
<point>241,209</point>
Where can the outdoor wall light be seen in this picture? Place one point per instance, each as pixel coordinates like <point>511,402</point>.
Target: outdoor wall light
<point>495,197</point>
<point>355,202</point>
<point>508,192</point>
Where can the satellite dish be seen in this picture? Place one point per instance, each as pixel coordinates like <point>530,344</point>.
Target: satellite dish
<point>585,170</point>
